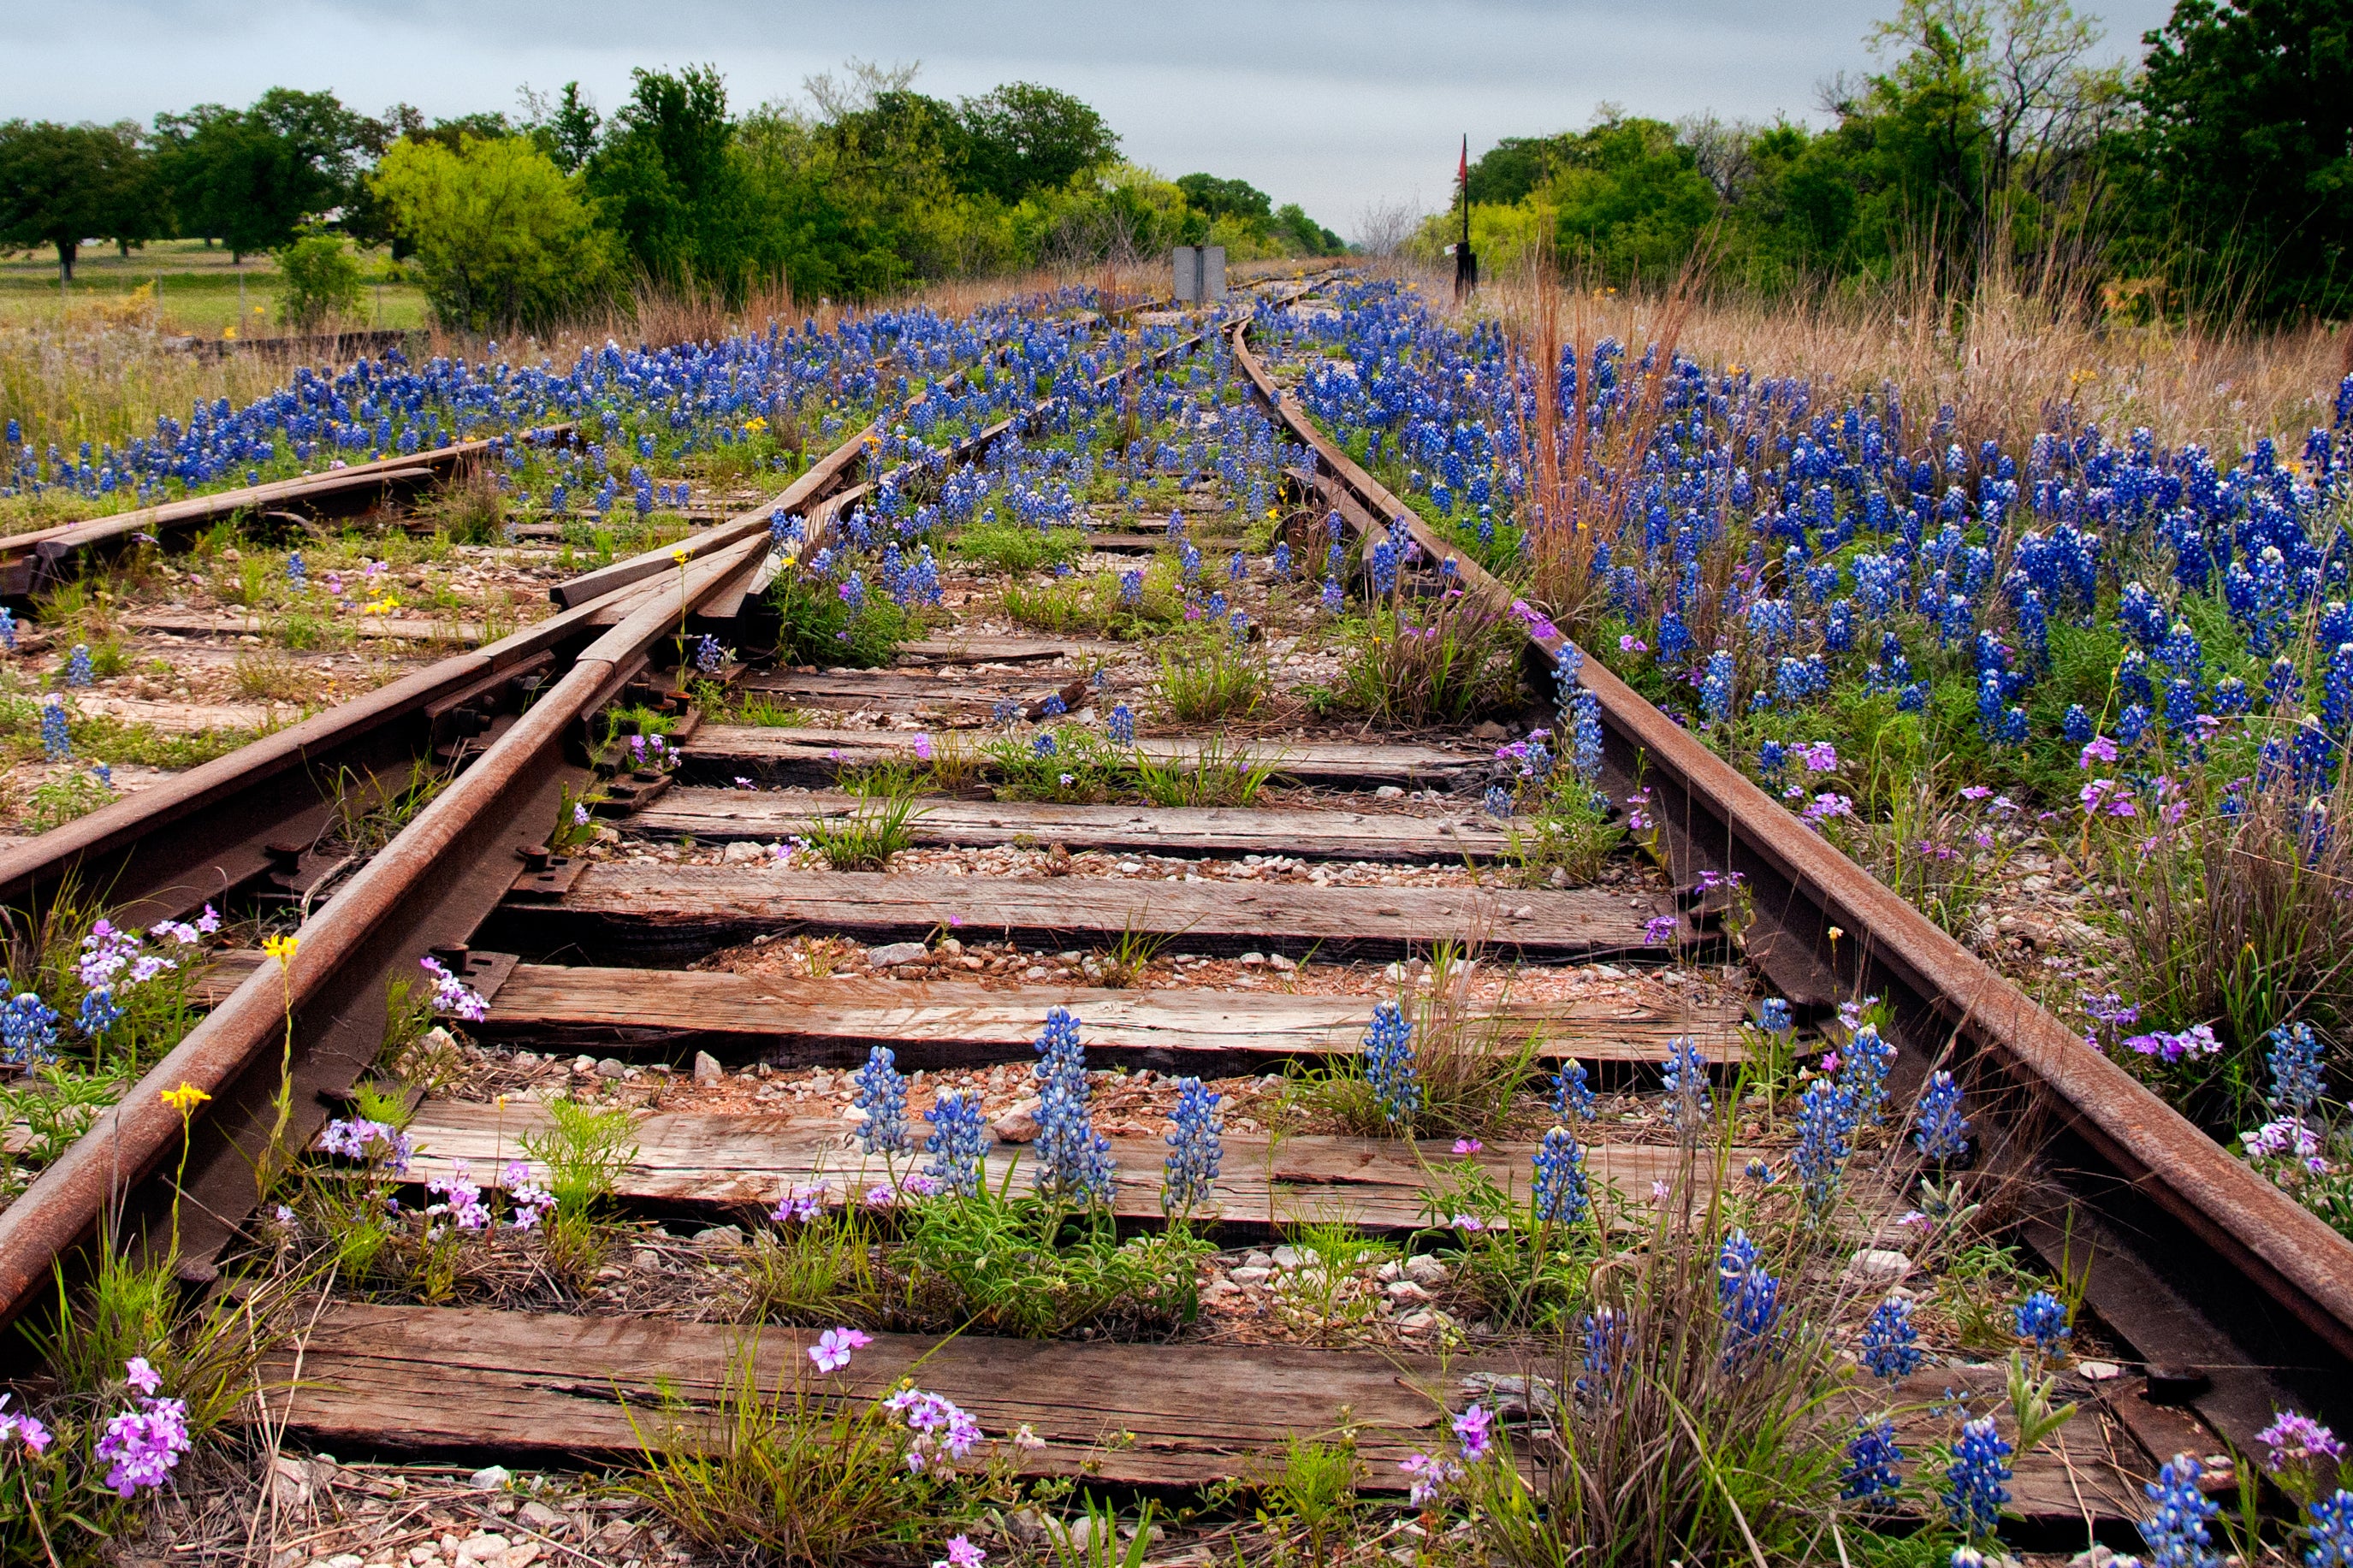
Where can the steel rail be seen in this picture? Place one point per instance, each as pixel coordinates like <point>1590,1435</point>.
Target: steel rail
<point>2202,1225</point>
<point>290,1043</point>
<point>31,561</point>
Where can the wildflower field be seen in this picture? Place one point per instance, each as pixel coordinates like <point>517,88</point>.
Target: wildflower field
<point>1748,1293</point>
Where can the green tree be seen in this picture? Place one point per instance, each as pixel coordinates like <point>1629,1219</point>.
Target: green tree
<point>566,127</point>
<point>253,177</point>
<point>667,183</point>
<point>502,237</point>
<point>1215,198</point>
<point>60,184</point>
<point>1628,199</point>
<point>1022,137</point>
<point>2249,141</point>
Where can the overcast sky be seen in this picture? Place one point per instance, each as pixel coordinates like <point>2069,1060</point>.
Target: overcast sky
<point>1337,104</point>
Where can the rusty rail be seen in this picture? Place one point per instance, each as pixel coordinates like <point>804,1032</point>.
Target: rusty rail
<point>2127,1174</point>
<point>32,562</point>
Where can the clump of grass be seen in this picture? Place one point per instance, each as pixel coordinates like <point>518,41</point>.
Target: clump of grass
<point>1468,1058</point>
<point>371,812</point>
<point>821,628</point>
<point>266,675</point>
<point>1568,837</point>
<point>1101,605</point>
<point>866,839</point>
<point>585,1151</point>
<point>1028,1268</point>
<point>1018,547</point>
<point>1441,661</point>
<point>470,510</point>
<point>1214,775</point>
<point>1210,679</point>
<point>801,1475</point>
<point>1065,764</point>
<point>57,801</point>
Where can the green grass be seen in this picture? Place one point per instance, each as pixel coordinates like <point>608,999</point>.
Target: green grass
<point>1017,547</point>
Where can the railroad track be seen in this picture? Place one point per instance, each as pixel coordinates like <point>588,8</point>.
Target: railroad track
<point>610,966</point>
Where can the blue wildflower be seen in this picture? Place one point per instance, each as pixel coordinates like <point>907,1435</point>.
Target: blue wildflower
<point>1939,1130</point>
<point>57,743</point>
<point>2176,1533</point>
<point>1870,1461</point>
<point>1194,1150</point>
<point>2043,1317</point>
<point>1073,1161</point>
<point>1121,725</point>
<point>1572,1097</point>
<point>1891,1347</point>
<point>2295,1063</point>
<point>28,1029</point>
<point>1826,1124</point>
<point>1560,1189</point>
<point>1973,1491</point>
<point>1863,1072</point>
<point>98,1013</point>
<point>77,669</point>
<point>2328,1521</point>
<point>1685,1079</point>
<point>958,1142</point>
<point>881,1094</point>
<point>1390,1064</point>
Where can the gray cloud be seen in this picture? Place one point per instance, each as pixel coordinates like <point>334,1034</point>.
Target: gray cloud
<point>1333,103</point>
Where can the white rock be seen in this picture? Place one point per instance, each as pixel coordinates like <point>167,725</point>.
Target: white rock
<point>1288,1257</point>
<point>854,1115</point>
<point>1279,965</point>
<point>538,1515</point>
<point>1018,1124</point>
<point>1254,1258</point>
<point>1388,1271</point>
<point>2099,1371</point>
<point>743,853</point>
<point>490,1479</point>
<point>891,954</point>
<point>720,1236</point>
<point>611,1066</point>
<point>1387,792</point>
<point>584,1064</point>
<point>1254,959</point>
<point>1247,1276</point>
<point>707,1070</point>
<point>1405,1290</point>
<point>1219,1289</point>
<point>1424,1269</point>
<point>1876,1266</point>
<point>483,1550</point>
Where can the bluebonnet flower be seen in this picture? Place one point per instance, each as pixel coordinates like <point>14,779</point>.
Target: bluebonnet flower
<point>7,628</point>
<point>1334,600</point>
<point>2076,725</point>
<point>28,1029</point>
<point>1826,1124</point>
<point>1973,1491</point>
<point>1041,745</point>
<point>295,570</point>
<point>1685,1079</point>
<point>1121,725</point>
<point>1863,1072</point>
<point>1236,569</point>
<point>78,669</point>
<point>1716,689</point>
<point>1497,800</point>
<point>958,1142</point>
<point>1572,1097</point>
<point>2043,1317</point>
<point>1560,1188</point>
<point>2294,1060</point>
<point>98,1013</point>
<point>2176,1533</point>
<point>1073,1162</point>
<point>1752,1314</point>
<point>1005,711</point>
<point>1195,1149</point>
<point>853,591</point>
<point>708,656</point>
<point>1939,1130</point>
<point>1585,736</point>
<point>1891,1347</point>
<point>1282,560</point>
<point>1053,707</point>
<point>883,1094</point>
<point>1609,1350</point>
<point>1870,1461</point>
<point>2328,1532</point>
<point>1390,1067</point>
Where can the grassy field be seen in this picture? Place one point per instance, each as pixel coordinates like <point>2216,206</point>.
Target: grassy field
<point>179,286</point>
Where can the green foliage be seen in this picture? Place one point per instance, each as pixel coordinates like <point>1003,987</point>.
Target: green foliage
<point>1568,831</point>
<point>1094,604</point>
<point>322,280</point>
<point>57,801</point>
<point>1213,678</point>
<point>821,628</point>
<point>1441,661</point>
<point>62,183</point>
<point>1018,547</point>
<point>866,839</point>
<point>1211,776</point>
<point>502,237</point>
<point>1470,1056</point>
<point>254,176</point>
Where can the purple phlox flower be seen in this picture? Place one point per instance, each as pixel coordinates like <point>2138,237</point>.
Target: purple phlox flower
<point>36,1436</point>
<point>1820,757</point>
<point>140,1447</point>
<point>1467,1222</point>
<point>1974,792</point>
<point>1658,929</point>
<point>1468,1145</point>
<point>2198,1040</point>
<point>2295,1440</point>
<point>464,1205</point>
<point>1430,1475</point>
<point>140,1377</point>
<point>921,744</point>
<point>831,1351</point>
<point>2101,750</point>
<point>1470,1429</point>
<point>2286,1135</point>
<point>941,1432</point>
<point>1631,644</point>
<point>451,994</point>
<point>802,1204</point>
<point>962,1553</point>
<point>532,1202</point>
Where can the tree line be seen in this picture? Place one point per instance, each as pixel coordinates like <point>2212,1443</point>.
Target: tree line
<point>2214,172</point>
<point>525,218</point>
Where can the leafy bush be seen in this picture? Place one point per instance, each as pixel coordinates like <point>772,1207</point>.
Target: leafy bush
<point>322,281</point>
<point>502,237</point>
<point>823,628</point>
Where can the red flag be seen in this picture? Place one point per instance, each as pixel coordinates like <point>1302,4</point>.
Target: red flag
<point>1463,170</point>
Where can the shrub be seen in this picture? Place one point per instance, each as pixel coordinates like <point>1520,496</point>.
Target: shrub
<point>502,236</point>
<point>322,280</point>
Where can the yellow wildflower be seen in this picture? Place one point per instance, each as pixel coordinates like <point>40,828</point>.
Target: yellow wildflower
<point>681,555</point>
<point>755,423</point>
<point>185,1098</point>
<point>280,948</point>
